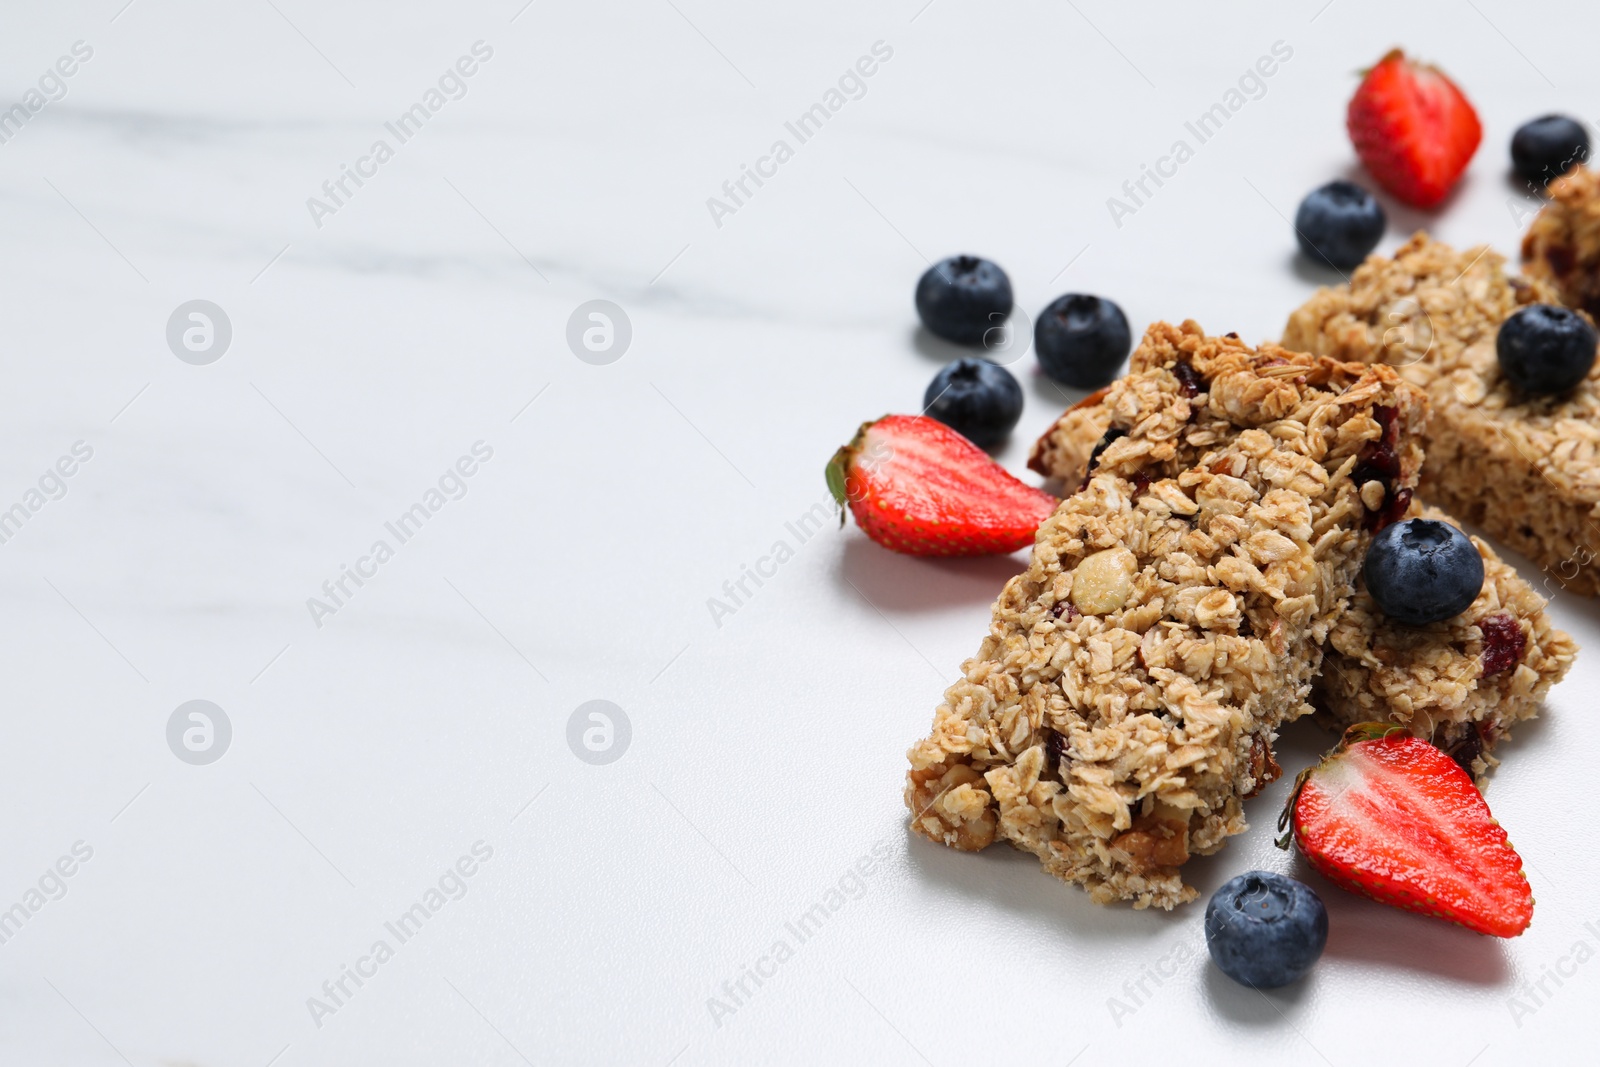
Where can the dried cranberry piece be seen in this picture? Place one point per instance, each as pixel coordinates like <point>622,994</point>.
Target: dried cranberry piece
<point>1380,462</point>
<point>1503,643</point>
<point>1467,749</point>
<point>1189,381</point>
<point>1141,482</point>
<point>1382,451</point>
<point>1394,509</point>
<point>1105,442</point>
<point>1055,749</point>
<point>1561,259</point>
<point>1386,419</point>
<point>1094,457</point>
<point>1064,607</point>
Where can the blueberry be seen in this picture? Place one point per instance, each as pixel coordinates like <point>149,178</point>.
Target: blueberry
<point>1545,349</point>
<point>1543,149</point>
<point>1339,223</point>
<point>1265,930</point>
<point>962,298</point>
<point>1421,571</point>
<point>975,398</point>
<point>1082,340</point>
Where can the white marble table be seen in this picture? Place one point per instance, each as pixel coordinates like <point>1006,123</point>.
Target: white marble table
<point>397,765</point>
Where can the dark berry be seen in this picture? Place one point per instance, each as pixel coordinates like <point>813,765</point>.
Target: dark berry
<point>1104,443</point>
<point>975,398</point>
<point>1189,380</point>
<point>1467,748</point>
<point>1082,340</point>
<point>1338,224</point>
<point>962,298</point>
<point>1545,349</point>
<point>1055,748</point>
<point>1394,509</point>
<point>1503,643</point>
<point>1265,930</point>
<point>1421,571</point>
<point>1543,149</point>
<point>1378,459</point>
<point>1380,462</point>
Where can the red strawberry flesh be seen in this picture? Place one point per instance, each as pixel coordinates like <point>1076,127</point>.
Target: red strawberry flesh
<point>1396,820</point>
<point>1413,128</point>
<point>916,486</point>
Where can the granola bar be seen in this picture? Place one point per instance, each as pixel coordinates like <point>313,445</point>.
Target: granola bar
<point>1127,697</point>
<point>1562,246</point>
<point>1527,470</point>
<point>1461,683</point>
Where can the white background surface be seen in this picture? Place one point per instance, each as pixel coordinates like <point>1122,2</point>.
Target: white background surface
<point>767,752</point>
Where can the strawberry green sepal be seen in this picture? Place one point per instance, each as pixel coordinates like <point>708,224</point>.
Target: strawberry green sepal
<point>835,474</point>
<point>1361,731</point>
<point>1393,53</point>
<point>838,469</point>
<point>1367,731</point>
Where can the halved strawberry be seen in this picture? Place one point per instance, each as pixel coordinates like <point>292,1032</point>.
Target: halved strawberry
<point>1413,129</point>
<point>917,486</point>
<point>1390,817</point>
